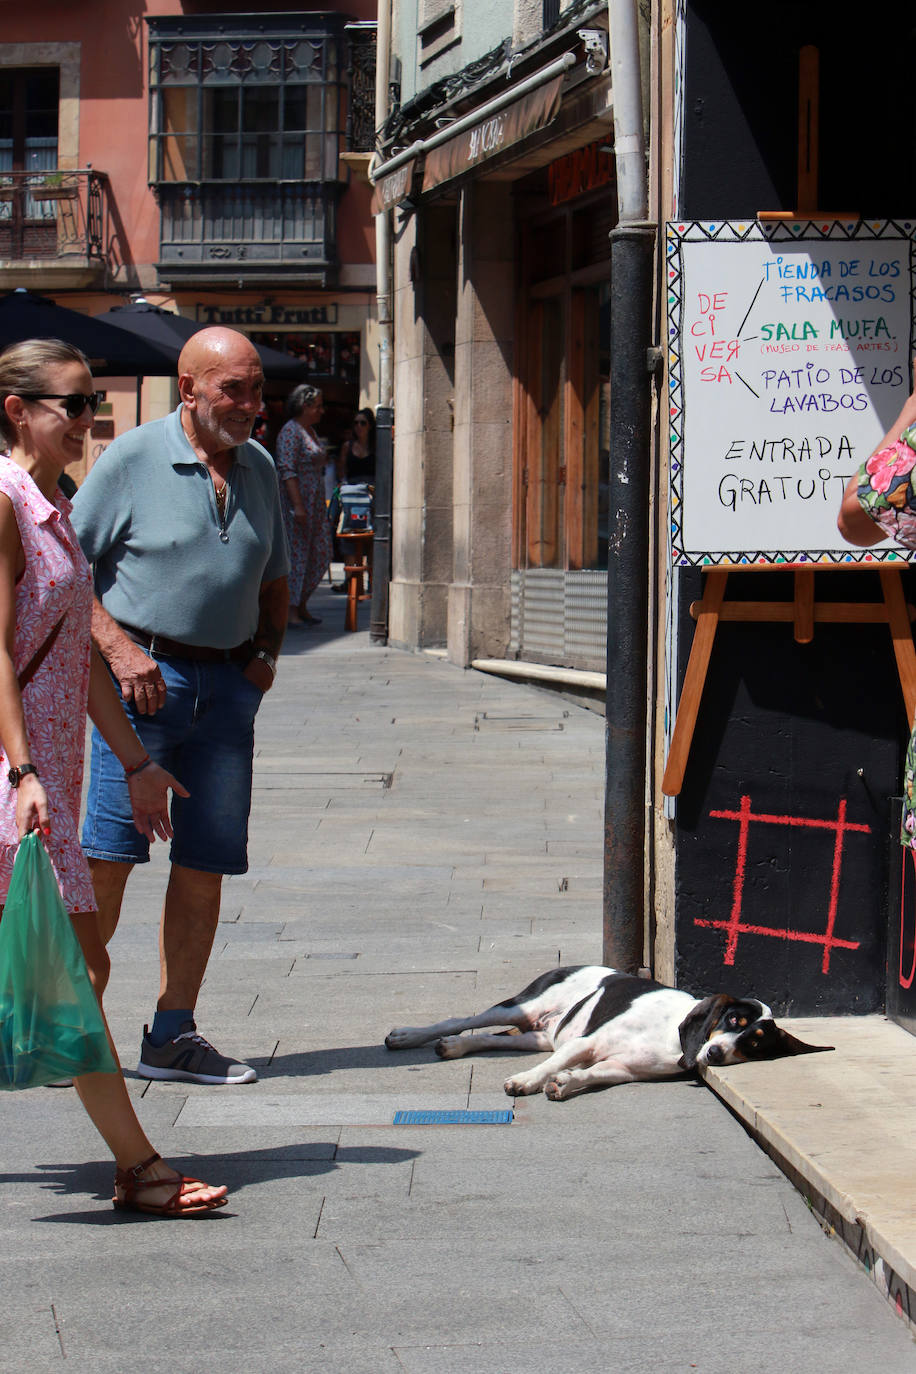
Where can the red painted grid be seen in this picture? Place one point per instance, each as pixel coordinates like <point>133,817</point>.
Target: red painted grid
<point>735,927</point>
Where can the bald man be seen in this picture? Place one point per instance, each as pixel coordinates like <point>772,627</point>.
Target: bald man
<point>181,520</point>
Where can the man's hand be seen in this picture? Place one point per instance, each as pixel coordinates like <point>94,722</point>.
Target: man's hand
<point>258,672</point>
<point>138,676</point>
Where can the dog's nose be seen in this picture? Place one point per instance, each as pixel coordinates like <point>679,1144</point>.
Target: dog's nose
<point>714,1054</point>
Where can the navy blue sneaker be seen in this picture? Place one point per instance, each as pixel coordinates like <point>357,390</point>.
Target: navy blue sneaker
<point>189,1058</point>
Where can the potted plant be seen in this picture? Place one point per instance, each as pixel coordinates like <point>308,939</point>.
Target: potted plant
<point>7,192</point>
<point>53,187</point>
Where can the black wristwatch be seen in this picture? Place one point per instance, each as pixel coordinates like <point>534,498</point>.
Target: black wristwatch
<point>16,775</point>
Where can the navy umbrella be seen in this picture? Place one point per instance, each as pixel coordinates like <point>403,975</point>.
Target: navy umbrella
<point>171,332</point>
<point>111,352</point>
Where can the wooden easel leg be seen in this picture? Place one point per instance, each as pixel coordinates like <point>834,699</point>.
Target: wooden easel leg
<point>902,636</point>
<point>694,681</point>
<point>804,606</point>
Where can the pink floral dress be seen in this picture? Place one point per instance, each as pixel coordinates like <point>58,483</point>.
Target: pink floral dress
<point>887,492</point>
<point>56,580</point>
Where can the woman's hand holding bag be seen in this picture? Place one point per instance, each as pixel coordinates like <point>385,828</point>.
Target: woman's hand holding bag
<point>51,1026</point>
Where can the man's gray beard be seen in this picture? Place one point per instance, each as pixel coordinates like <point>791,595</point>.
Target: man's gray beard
<point>227,439</point>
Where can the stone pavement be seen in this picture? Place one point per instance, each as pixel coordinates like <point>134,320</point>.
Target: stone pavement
<point>424,841</point>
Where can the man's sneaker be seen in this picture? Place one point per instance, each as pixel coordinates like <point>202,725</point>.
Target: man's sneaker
<point>189,1058</point>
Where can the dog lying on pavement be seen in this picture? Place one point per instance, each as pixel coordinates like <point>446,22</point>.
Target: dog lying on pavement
<point>605,1027</point>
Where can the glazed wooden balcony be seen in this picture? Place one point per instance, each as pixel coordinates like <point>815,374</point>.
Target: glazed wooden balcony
<point>252,231</point>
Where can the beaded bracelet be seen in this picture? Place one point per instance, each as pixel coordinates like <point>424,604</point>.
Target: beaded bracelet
<point>138,767</point>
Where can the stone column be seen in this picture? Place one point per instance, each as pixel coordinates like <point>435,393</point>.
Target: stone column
<point>479,596</point>
<point>424,372</point>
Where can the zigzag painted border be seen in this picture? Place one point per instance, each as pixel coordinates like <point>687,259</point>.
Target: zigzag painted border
<point>830,558</point>
<point>679,232</point>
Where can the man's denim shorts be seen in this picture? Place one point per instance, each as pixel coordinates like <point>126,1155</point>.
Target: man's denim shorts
<point>204,736</point>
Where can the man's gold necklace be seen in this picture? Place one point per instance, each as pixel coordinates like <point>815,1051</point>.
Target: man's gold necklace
<point>222,504</point>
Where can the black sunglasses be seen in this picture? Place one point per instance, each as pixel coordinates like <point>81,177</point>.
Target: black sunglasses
<point>75,402</point>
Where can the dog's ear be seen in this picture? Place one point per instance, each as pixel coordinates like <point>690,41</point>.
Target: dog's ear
<point>696,1025</point>
<point>780,1044</point>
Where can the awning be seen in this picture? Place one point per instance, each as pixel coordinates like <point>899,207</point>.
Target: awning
<point>393,188</point>
<point>490,136</point>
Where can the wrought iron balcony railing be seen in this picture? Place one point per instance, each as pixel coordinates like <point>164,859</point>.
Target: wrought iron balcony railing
<point>57,216</point>
<point>361,73</point>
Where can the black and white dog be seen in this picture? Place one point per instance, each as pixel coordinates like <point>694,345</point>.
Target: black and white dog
<point>604,1027</point>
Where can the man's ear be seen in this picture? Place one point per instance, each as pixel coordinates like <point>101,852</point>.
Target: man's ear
<point>186,389</point>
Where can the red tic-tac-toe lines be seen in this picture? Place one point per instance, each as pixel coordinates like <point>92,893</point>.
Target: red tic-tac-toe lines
<point>734,926</point>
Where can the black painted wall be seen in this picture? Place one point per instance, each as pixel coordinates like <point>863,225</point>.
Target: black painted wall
<point>741,111</point>
<point>810,739</point>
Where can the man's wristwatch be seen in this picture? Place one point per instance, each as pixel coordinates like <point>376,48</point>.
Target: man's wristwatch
<point>16,775</point>
<point>267,658</point>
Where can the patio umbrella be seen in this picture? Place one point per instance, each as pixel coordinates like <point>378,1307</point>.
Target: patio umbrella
<point>111,352</point>
<point>170,331</point>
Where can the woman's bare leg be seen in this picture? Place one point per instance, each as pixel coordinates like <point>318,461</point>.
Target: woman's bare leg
<point>105,1095</point>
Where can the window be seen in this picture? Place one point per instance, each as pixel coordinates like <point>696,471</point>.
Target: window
<point>438,28</point>
<point>29,98</point>
<point>255,101</point>
<point>328,354</point>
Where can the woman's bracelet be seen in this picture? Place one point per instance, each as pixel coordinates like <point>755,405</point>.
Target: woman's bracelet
<point>138,767</point>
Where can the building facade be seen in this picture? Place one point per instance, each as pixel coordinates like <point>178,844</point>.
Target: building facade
<point>501,329</point>
<point>210,158</point>
<point>773,865</point>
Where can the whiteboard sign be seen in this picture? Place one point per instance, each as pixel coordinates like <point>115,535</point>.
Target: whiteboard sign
<point>789,359</point>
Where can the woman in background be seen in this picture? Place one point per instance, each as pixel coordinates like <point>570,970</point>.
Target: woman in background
<point>357,456</point>
<point>301,457</point>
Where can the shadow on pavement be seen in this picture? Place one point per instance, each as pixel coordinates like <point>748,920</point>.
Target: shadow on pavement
<point>236,1170</point>
<point>314,1063</point>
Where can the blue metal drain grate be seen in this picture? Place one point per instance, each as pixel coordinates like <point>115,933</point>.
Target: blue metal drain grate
<point>453,1118</point>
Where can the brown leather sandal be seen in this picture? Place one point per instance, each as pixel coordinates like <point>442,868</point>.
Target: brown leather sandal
<point>132,1183</point>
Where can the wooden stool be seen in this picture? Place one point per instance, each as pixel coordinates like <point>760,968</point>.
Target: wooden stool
<point>358,561</point>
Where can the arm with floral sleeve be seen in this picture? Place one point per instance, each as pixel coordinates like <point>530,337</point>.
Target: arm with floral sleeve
<point>880,500</point>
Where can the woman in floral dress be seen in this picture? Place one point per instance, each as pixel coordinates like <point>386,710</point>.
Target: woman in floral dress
<point>880,503</point>
<point>301,458</point>
<point>46,407</point>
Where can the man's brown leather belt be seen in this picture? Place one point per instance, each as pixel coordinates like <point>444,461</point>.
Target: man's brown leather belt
<point>171,648</point>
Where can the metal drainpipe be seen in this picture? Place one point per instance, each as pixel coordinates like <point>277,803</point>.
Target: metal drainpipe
<point>384,414</point>
<point>632,256</point>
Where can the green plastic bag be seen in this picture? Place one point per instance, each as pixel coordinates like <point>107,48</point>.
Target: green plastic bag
<point>50,1023</point>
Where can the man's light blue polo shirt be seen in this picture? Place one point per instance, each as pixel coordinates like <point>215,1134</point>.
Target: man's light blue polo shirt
<point>147,520</point>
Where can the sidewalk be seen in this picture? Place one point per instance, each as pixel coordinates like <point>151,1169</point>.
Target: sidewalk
<point>424,841</point>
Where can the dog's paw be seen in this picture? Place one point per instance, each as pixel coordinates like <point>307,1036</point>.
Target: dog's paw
<point>521,1086</point>
<point>560,1086</point>
<point>402,1038</point>
<point>450,1047</point>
